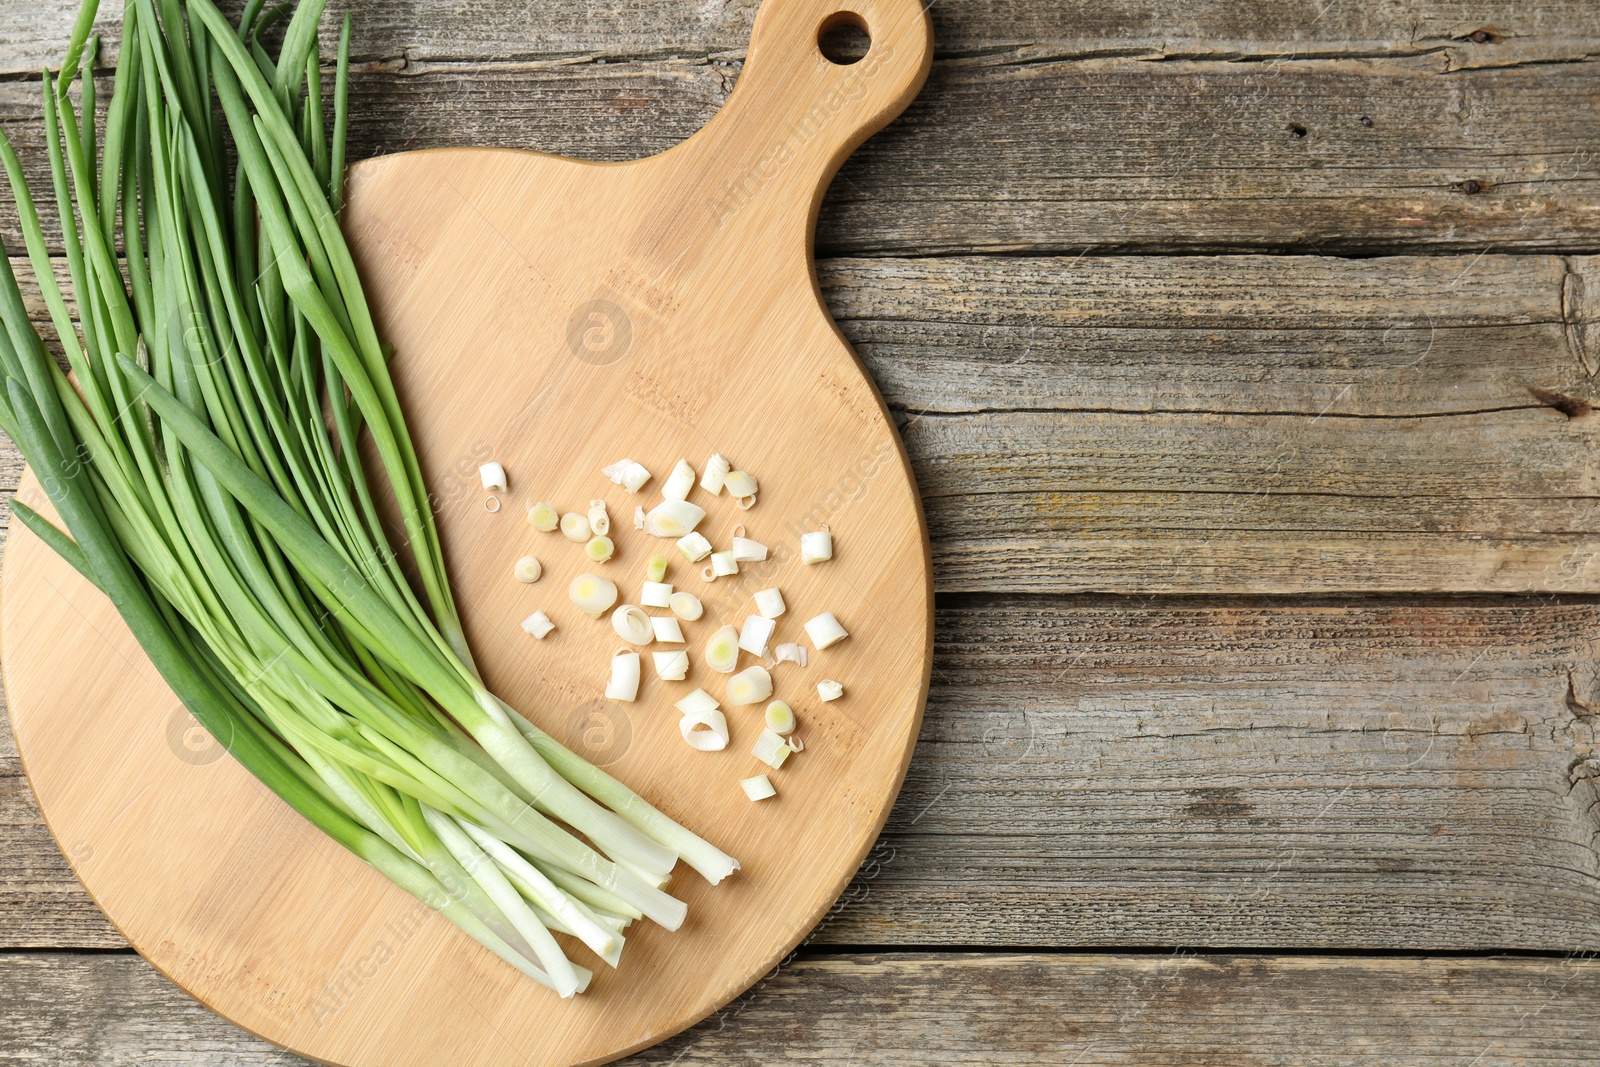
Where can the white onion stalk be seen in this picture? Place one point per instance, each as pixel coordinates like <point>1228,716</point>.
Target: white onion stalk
<point>780,717</point>
<point>626,473</point>
<point>789,652</point>
<point>755,634</point>
<point>599,518</point>
<point>679,482</point>
<point>746,502</point>
<point>638,517</point>
<point>747,551</point>
<point>816,546</point>
<point>563,975</point>
<point>666,629</point>
<point>722,650</point>
<point>712,863</point>
<point>599,549</point>
<point>750,686</point>
<point>575,527</point>
<point>556,926</point>
<point>796,743</point>
<point>771,749</point>
<point>770,603</point>
<point>656,595</point>
<point>578,920</point>
<point>672,666</point>
<point>673,518</point>
<point>686,606</point>
<point>738,483</point>
<point>632,625</point>
<point>356,799</point>
<point>824,631</point>
<point>722,564</point>
<point>694,547</point>
<point>697,702</point>
<point>758,788</point>
<point>624,684</point>
<point>593,594</point>
<point>716,470</point>
<point>527,570</point>
<point>543,517</point>
<point>705,731</point>
<point>493,476</point>
<point>657,570</point>
<point>538,624</point>
<point>828,689</point>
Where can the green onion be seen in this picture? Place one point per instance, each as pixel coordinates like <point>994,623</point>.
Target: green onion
<point>204,461</point>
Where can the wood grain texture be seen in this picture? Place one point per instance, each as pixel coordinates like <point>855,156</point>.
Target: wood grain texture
<point>1391,337</point>
<point>1097,154</point>
<point>1236,423</point>
<point>1221,774</point>
<point>1509,31</point>
<point>560,315</point>
<point>948,1009</point>
<point>1240,423</point>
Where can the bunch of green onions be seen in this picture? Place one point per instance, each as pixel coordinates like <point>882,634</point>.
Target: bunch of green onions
<point>204,460</point>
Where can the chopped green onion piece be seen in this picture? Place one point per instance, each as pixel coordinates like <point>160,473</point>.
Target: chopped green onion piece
<point>770,602</point>
<point>780,718</point>
<point>722,650</point>
<point>694,547</point>
<point>816,546</point>
<point>771,749</point>
<point>543,517</point>
<point>679,482</point>
<point>632,625</point>
<point>593,594</point>
<point>750,686</point>
<point>575,527</point>
<point>758,788</point>
<point>825,631</point>
<point>686,606</point>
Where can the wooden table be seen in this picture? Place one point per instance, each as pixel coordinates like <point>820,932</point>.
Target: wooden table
<point>1245,355</point>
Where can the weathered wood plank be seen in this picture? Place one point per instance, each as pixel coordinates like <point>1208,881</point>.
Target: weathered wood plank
<point>1120,773</point>
<point>1399,336</point>
<point>1240,423</point>
<point>948,1009</point>
<point>1236,774</point>
<point>1010,153</point>
<point>1510,31</point>
<point>1272,504</point>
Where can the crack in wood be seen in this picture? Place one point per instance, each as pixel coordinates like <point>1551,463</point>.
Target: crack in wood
<point>1572,300</point>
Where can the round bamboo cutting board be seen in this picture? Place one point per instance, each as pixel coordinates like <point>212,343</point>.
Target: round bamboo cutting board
<point>556,316</point>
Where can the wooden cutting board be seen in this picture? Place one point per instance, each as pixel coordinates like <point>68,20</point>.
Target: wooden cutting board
<point>554,315</point>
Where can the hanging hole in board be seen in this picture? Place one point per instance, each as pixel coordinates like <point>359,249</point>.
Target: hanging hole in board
<point>843,38</point>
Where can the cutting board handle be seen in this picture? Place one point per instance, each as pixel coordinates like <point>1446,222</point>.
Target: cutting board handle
<point>795,115</point>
